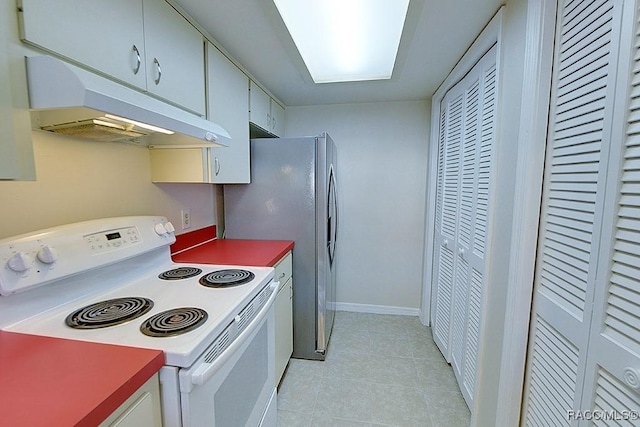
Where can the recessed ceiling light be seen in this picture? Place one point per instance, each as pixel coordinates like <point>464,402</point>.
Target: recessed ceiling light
<point>345,40</point>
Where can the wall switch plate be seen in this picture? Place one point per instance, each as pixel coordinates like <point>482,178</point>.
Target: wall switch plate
<point>186,218</point>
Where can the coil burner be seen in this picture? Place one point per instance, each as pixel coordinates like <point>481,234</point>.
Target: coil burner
<point>109,313</point>
<point>180,273</point>
<point>226,278</point>
<point>174,322</point>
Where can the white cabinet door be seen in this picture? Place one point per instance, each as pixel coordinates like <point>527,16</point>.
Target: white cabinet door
<point>142,408</point>
<point>284,330</point>
<point>228,106</point>
<point>106,35</point>
<point>147,44</point>
<point>284,315</point>
<point>260,107</point>
<point>9,154</point>
<point>265,112</point>
<point>277,119</point>
<point>174,56</point>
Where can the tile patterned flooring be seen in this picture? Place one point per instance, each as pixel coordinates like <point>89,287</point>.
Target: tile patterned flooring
<point>381,370</point>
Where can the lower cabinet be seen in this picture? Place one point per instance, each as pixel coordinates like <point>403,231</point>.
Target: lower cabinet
<point>142,408</point>
<point>284,315</point>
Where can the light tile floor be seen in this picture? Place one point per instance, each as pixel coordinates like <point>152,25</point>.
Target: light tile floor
<point>381,370</point>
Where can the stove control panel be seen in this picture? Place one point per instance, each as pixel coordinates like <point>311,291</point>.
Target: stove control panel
<point>53,255</point>
<point>113,239</point>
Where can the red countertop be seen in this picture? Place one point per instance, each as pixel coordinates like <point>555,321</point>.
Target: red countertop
<point>256,253</point>
<point>58,382</point>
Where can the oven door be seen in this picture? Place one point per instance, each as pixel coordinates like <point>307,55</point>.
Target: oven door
<point>237,387</point>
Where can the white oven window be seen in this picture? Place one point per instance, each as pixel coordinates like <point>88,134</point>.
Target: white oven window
<point>235,399</point>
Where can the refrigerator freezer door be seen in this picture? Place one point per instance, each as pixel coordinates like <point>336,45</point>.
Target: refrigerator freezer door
<point>327,220</point>
<point>287,201</point>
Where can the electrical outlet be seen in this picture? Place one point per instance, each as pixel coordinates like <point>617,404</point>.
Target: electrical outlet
<point>186,218</point>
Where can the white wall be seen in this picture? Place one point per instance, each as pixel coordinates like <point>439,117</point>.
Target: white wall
<point>382,169</point>
<point>78,180</point>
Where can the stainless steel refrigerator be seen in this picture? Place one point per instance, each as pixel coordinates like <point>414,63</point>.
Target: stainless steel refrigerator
<point>292,196</point>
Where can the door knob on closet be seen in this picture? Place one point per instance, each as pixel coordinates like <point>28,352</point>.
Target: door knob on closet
<point>461,252</point>
<point>631,378</point>
<point>445,243</point>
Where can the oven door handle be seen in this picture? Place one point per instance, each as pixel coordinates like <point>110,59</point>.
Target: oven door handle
<point>205,371</point>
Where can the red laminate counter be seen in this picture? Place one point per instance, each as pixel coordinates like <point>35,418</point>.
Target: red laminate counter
<point>58,382</point>
<point>256,253</point>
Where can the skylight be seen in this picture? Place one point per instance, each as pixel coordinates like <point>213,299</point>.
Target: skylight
<point>345,40</point>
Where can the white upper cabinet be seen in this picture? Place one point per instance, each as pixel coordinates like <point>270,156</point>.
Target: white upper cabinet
<point>260,107</point>
<point>174,56</point>
<point>265,112</point>
<point>104,35</point>
<point>228,105</point>
<point>277,118</point>
<point>146,44</point>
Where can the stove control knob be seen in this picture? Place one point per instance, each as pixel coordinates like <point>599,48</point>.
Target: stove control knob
<point>160,229</point>
<point>20,262</point>
<point>47,255</point>
<point>169,227</point>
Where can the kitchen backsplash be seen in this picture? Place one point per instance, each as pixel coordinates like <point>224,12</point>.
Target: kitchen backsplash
<point>79,180</point>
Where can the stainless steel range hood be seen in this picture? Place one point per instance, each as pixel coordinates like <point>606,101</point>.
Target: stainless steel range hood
<point>73,101</point>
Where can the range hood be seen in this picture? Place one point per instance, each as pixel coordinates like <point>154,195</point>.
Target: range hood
<point>70,100</point>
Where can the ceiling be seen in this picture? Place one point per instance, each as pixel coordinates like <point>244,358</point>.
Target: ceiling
<point>436,35</point>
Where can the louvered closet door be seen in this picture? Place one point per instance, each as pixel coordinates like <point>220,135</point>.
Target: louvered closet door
<point>467,134</point>
<point>571,216</point>
<point>445,235</point>
<point>613,364</point>
<point>475,172</point>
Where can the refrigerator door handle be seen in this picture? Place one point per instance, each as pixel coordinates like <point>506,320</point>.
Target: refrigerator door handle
<point>335,196</point>
<point>332,216</point>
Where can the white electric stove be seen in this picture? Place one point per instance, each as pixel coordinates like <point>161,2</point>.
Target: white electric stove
<point>113,281</point>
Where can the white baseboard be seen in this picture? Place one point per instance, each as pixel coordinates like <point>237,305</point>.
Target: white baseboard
<point>377,309</point>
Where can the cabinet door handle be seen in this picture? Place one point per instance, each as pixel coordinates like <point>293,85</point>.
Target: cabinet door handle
<point>217,166</point>
<point>158,71</point>
<point>273,124</point>
<point>136,60</point>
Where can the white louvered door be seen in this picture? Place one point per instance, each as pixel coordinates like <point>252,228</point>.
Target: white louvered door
<point>446,218</point>
<point>612,377</point>
<point>578,142</point>
<point>467,134</point>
